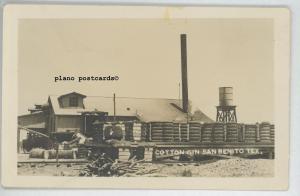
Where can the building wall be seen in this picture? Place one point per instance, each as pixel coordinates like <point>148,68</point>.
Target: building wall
<point>30,119</point>
<point>68,123</point>
<point>51,123</point>
<point>51,118</point>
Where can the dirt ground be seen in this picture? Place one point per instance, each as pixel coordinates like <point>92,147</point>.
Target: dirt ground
<point>232,167</point>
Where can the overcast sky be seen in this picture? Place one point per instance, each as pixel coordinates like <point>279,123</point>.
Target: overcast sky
<point>145,54</point>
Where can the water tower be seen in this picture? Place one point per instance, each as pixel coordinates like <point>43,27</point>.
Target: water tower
<point>226,110</point>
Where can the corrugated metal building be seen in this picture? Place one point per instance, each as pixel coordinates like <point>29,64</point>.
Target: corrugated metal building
<point>64,113</point>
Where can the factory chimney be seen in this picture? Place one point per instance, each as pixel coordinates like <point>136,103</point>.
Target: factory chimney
<point>185,98</point>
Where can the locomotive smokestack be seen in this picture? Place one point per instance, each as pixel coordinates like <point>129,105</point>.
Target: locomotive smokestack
<point>185,98</point>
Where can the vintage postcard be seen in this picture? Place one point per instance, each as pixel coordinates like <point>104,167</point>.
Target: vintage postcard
<point>145,97</point>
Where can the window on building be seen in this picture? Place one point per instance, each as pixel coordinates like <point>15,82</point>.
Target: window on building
<point>73,102</point>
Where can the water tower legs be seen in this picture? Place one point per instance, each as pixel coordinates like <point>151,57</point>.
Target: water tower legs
<point>226,114</point>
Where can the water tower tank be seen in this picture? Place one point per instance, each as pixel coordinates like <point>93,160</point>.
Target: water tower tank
<point>226,96</point>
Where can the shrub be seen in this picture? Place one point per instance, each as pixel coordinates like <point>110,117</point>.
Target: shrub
<point>186,173</point>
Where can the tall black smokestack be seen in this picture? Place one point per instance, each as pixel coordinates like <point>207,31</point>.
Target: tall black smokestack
<point>185,97</point>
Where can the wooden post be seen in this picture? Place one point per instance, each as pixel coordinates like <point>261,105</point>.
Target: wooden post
<point>74,154</point>
<point>212,133</point>
<point>154,155</point>
<point>103,132</point>
<point>238,133</point>
<point>123,130</point>
<point>188,131</point>
<point>57,145</point>
<point>179,132</point>
<point>257,132</point>
<point>150,132</point>
<point>225,132</point>
<point>243,132</point>
<point>200,132</point>
<point>84,123</point>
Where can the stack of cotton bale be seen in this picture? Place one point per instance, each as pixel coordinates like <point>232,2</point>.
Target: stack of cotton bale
<point>184,132</point>
<point>265,132</point>
<point>207,130</point>
<point>139,131</point>
<point>195,131</point>
<point>129,131</point>
<point>272,133</point>
<point>144,131</point>
<point>250,133</point>
<point>176,132</point>
<point>181,132</point>
<point>218,132</point>
<point>168,133</point>
<point>232,132</point>
<point>156,131</point>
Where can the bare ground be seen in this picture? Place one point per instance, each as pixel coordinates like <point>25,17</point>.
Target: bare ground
<point>233,167</point>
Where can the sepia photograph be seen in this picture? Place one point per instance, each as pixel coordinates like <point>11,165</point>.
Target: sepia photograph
<point>161,97</point>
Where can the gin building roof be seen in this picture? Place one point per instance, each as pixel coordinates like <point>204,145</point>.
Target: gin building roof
<point>145,109</point>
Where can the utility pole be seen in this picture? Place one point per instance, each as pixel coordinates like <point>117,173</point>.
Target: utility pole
<point>179,98</point>
<point>114,99</point>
